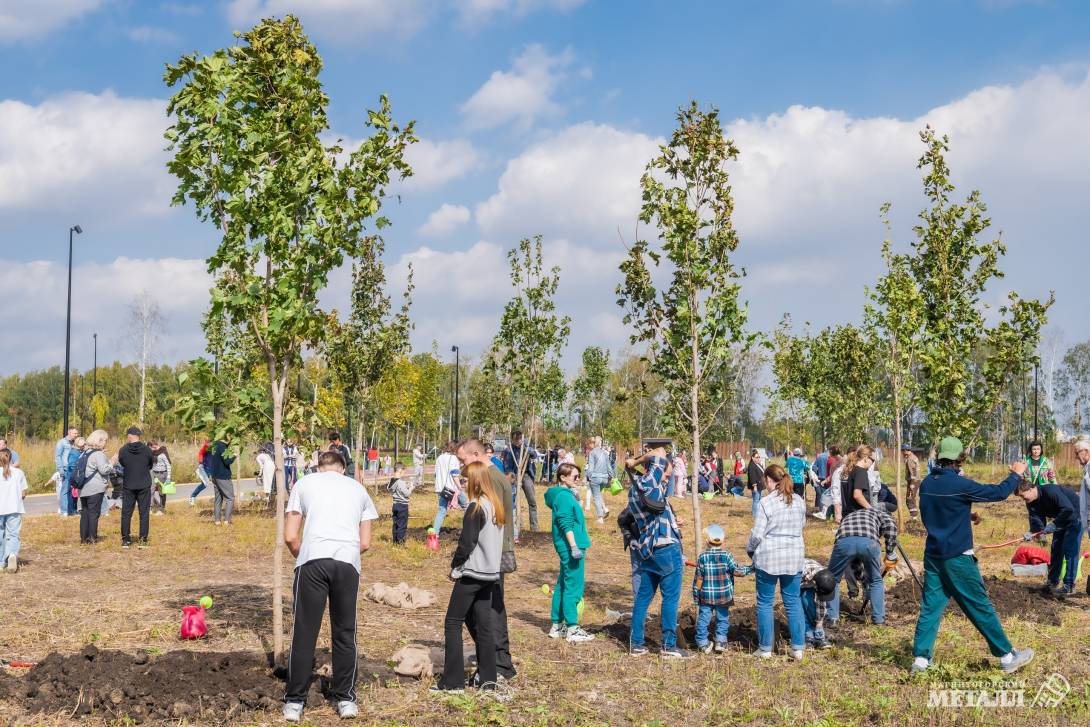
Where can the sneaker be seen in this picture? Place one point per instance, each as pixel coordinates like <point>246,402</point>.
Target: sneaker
<point>577,635</point>
<point>705,648</point>
<point>1021,658</point>
<point>157,512</point>
<point>475,680</point>
<point>601,521</point>
<point>1063,591</point>
<point>444,690</point>
<point>797,654</point>
<point>293,711</point>
<point>497,692</point>
<point>637,651</point>
<point>919,666</point>
<point>720,647</point>
<point>13,563</point>
<point>762,654</point>
<point>557,631</point>
<point>142,545</point>
<point>818,514</point>
<point>822,643</point>
<point>673,652</point>
<point>347,710</point>
<point>192,502</point>
<point>126,545</point>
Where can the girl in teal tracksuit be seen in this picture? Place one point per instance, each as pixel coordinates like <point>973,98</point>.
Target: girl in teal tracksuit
<point>570,539</point>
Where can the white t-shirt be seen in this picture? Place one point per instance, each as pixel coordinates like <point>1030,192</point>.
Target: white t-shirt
<point>333,507</point>
<point>445,464</point>
<point>11,492</point>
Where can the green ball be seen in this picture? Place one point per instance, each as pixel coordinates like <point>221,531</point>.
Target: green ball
<point>206,602</point>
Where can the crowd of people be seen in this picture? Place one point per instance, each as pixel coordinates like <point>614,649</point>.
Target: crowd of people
<point>329,519</point>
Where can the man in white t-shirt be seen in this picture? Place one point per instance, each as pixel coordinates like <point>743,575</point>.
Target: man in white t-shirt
<point>447,469</point>
<point>327,526</point>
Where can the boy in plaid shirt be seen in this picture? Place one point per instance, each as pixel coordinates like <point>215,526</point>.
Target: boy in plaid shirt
<point>713,589</point>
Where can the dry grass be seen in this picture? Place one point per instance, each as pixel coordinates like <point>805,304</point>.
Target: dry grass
<point>68,596</point>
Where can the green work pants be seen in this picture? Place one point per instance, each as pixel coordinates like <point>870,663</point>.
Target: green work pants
<point>569,590</point>
<point>957,578</point>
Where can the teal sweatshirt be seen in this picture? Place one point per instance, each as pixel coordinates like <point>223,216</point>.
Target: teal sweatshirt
<point>567,517</point>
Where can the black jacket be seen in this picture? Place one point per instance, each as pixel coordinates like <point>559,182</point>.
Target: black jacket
<point>221,465</point>
<point>136,459</point>
<point>1056,502</point>
<point>756,476</point>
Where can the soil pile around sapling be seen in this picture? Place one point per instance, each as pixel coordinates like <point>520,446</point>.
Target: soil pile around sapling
<point>205,687</point>
<point>1009,598</point>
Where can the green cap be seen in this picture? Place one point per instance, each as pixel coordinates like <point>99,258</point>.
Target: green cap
<point>950,448</point>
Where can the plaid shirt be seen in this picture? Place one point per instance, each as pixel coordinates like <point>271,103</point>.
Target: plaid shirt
<point>775,542</point>
<point>715,570</point>
<point>870,522</point>
<point>810,568</point>
<point>653,527</point>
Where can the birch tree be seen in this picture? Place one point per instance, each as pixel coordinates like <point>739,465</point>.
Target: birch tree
<point>248,155</point>
<point>144,327</point>
<point>695,323</point>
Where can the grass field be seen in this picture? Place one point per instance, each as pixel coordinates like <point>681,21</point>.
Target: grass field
<point>67,597</point>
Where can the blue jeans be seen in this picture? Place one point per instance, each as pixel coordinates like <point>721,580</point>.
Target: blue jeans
<point>1065,549</point>
<point>596,485</point>
<point>444,505</point>
<point>809,609</point>
<point>756,499</point>
<point>661,572</point>
<point>671,484</point>
<point>792,604</point>
<point>10,525</point>
<point>704,618</point>
<point>845,550</point>
<point>204,484</point>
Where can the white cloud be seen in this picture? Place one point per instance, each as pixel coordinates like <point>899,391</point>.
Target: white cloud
<point>434,163</point>
<point>445,220</point>
<point>78,148</point>
<point>35,309</point>
<point>475,12</point>
<point>23,19</point>
<point>581,184</point>
<point>520,95</point>
<point>151,34</point>
<point>345,20</point>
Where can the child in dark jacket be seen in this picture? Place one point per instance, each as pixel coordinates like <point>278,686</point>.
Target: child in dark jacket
<point>713,589</point>
<point>570,539</point>
<point>400,490</point>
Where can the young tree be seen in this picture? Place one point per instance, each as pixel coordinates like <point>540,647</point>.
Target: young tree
<point>526,350</point>
<point>696,324</point>
<point>895,313</point>
<point>1073,383</point>
<point>589,387</point>
<point>144,327</point>
<point>248,155</point>
<point>951,268</point>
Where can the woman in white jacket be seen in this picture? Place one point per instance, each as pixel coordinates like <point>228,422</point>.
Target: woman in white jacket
<point>266,469</point>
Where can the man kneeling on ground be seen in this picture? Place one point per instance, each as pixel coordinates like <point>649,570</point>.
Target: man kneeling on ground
<point>327,526</point>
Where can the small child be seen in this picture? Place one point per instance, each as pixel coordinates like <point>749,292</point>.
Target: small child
<point>401,489</point>
<point>713,589</point>
<point>818,586</point>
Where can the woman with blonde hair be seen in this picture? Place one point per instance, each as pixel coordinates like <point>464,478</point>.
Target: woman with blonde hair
<point>96,480</point>
<point>776,547</point>
<point>475,570</point>
<point>13,489</point>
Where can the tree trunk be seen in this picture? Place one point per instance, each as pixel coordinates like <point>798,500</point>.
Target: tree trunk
<point>278,548</point>
<point>694,490</point>
<point>143,385</point>
<point>356,449</point>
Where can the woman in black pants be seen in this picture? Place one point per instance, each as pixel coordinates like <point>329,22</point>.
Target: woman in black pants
<point>94,487</point>
<point>475,570</point>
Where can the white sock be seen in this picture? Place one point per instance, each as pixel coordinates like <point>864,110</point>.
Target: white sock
<point>1006,658</point>
<point>921,662</point>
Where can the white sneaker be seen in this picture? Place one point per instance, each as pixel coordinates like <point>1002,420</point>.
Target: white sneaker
<point>557,631</point>
<point>293,711</point>
<point>192,501</point>
<point>13,563</point>
<point>796,654</point>
<point>820,515</point>
<point>577,635</point>
<point>761,654</point>
<point>348,710</point>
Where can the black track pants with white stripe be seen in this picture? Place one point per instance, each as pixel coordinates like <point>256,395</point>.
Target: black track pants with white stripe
<point>315,582</point>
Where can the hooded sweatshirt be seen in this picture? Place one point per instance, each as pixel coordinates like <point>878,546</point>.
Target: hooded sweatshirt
<point>567,517</point>
<point>136,459</point>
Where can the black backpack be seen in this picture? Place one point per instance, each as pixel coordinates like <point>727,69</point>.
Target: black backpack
<point>79,472</point>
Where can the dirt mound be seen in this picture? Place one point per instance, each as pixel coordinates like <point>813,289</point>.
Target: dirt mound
<point>203,687</point>
<point>1008,597</point>
<point>743,629</point>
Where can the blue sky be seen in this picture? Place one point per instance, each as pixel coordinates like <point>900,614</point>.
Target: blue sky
<point>537,117</point>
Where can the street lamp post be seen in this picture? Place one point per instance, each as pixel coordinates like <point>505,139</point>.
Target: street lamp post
<point>94,385</point>
<point>457,367</point>
<point>73,230</point>
<point>1035,366</point>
